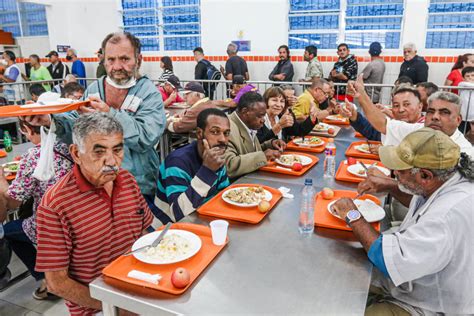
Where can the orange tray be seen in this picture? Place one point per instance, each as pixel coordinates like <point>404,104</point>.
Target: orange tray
<point>343,175</point>
<point>121,266</point>
<point>291,145</point>
<point>217,207</point>
<point>358,135</point>
<point>352,152</point>
<point>16,110</point>
<point>346,122</point>
<point>275,167</point>
<point>323,218</point>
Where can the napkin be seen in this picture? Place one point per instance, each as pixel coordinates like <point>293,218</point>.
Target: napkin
<point>143,276</point>
<point>286,192</point>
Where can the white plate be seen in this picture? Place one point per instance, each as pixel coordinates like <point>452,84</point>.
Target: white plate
<point>361,149</point>
<point>354,169</point>
<point>7,169</point>
<point>324,129</point>
<point>304,160</point>
<point>371,211</point>
<point>47,104</point>
<point>268,197</point>
<point>298,141</point>
<point>194,241</point>
<point>336,118</point>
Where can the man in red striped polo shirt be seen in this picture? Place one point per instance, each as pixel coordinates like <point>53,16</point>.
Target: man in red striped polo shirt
<point>91,216</point>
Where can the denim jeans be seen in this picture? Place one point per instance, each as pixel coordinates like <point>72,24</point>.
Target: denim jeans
<point>22,246</point>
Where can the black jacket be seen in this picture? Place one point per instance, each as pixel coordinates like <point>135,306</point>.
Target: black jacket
<point>59,72</point>
<point>416,69</point>
<point>298,129</point>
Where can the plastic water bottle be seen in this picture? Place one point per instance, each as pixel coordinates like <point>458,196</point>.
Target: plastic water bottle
<point>7,141</point>
<point>330,160</point>
<point>306,219</point>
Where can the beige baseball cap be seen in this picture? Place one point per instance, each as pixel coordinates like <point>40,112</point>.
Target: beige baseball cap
<point>424,148</point>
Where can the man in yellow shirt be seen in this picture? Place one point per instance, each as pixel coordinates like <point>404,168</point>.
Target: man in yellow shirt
<point>318,93</point>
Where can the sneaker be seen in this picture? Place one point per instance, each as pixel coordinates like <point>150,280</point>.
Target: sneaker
<point>42,293</point>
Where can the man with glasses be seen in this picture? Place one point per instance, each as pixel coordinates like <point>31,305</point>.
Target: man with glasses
<point>344,69</point>
<point>317,94</point>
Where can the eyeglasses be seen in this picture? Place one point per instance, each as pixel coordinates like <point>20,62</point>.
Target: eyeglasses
<point>326,94</point>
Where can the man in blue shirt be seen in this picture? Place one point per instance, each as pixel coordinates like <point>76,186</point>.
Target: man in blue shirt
<point>78,69</point>
<point>130,98</point>
<point>193,174</point>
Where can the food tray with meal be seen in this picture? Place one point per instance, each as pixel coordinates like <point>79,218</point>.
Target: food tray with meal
<point>324,215</point>
<point>247,203</point>
<point>326,130</point>
<point>356,172</point>
<point>188,246</point>
<point>364,149</point>
<point>37,109</point>
<point>312,144</point>
<point>337,120</point>
<point>291,163</point>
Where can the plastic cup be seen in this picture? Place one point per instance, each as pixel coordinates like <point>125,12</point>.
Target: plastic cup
<point>219,231</point>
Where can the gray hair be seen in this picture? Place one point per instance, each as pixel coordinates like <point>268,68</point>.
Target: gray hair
<point>74,51</point>
<point>319,83</point>
<point>465,167</point>
<point>410,45</point>
<point>232,48</point>
<point>70,78</point>
<point>94,123</point>
<point>445,96</point>
<point>287,87</point>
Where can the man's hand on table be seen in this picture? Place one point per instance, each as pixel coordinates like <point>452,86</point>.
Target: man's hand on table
<point>96,105</point>
<point>377,182</point>
<point>212,158</point>
<point>343,206</point>
<point>279,145</point>
<point>272,154</point>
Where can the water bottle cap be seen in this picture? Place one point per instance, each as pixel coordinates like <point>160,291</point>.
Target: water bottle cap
<point>308,181</point>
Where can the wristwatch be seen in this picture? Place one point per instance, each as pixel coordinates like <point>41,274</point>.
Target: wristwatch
<point>352,216</point>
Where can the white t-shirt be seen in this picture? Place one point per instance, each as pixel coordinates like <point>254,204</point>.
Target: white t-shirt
<point>467,101</point>
<point>430,259</point>
<point>396,131</point>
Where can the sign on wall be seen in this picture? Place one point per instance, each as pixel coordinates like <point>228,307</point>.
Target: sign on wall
<point>243,46</point>
<point>62,48</point>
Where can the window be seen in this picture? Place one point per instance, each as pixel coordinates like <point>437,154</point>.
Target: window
<point>164,24</point>
<point>450,24</point>
<point>319,22</point>
<point>373,20</point>
<point>23,19</point>
<point>313,22</point>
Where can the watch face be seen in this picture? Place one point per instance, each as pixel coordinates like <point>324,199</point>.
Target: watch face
<point>353,214</point>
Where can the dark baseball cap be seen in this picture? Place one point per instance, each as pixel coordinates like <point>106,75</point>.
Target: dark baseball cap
<point>53,52</point>
<point>375,49</point>
<point>193,87</point>
<point>174,81</point>
<point>238,79</point>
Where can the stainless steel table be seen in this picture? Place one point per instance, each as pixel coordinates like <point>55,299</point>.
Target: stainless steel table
<point>18,149</point>
<point>344,138</point>
<point>266,268</point>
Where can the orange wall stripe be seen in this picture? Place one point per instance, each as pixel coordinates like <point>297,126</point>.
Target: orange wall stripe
<point>254,58</point>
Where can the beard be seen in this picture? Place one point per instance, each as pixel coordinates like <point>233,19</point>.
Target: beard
<point>407,190</point>
<point>125,77</point>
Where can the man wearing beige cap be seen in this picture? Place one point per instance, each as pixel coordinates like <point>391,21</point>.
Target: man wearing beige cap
<point>426,266</point>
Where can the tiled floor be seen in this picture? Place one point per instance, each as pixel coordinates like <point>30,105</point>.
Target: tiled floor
<point>17,300</point>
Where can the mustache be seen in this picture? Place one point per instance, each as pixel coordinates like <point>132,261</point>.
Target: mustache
<point>107,169</point>
<point>221,146</point>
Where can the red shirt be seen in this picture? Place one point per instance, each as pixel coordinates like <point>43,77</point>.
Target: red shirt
<point>456,77</point>
<point>165,96</point>
<point>82,229</point>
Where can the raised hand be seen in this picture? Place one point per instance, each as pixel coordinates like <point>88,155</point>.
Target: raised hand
<point>212,158</point>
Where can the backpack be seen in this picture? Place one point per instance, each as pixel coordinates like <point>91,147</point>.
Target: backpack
<point>212,72</point>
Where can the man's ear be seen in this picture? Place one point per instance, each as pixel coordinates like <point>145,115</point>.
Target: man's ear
<point>199,133</point>
<point>75,154</point>
<point>426,175</point>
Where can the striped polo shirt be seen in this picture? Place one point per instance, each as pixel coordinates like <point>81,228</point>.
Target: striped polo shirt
<point>82,229</point>
<point>184,183</point>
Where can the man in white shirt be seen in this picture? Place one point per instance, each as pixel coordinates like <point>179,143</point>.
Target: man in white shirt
<point>426,266</point>
<point>443,113</point>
